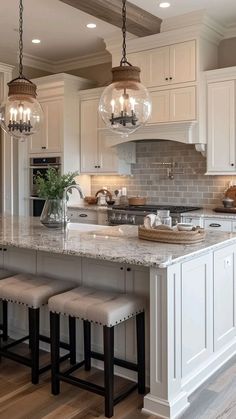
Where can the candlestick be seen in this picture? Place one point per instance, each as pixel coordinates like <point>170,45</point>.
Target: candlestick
<point>122,103</point>
<point>113,106</point>
<point>132,103</point>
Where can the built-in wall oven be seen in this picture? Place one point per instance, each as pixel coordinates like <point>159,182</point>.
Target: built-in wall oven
<point>39,166</point>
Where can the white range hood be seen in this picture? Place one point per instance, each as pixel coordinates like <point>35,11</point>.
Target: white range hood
<point>184,132</point>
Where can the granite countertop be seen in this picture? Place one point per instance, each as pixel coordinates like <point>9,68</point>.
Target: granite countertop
<point>209,213</point>
<point>116,244</point>
<point>85,207</point>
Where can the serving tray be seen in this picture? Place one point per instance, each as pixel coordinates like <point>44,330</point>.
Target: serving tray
<point>172,236</point>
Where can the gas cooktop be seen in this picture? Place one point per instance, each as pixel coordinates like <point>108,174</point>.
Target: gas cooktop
<point>153,208</point>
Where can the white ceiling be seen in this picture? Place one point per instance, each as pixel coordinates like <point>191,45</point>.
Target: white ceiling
<point>62,29</point>
<point>224,11</point>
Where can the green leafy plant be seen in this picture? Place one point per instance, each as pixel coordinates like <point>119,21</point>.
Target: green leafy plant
<point>52,185</point>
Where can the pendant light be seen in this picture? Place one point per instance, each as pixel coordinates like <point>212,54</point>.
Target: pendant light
<point>125,105</point>
<point>21,115</point>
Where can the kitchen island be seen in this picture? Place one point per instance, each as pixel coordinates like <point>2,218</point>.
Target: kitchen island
<point>191,326</point>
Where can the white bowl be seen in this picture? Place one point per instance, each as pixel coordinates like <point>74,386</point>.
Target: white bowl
<point>184,226</point>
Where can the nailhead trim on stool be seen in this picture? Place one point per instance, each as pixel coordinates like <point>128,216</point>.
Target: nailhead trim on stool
<point>33,292</point>
<point>107,309</point>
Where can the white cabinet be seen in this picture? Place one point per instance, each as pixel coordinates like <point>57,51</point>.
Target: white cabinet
<point>167,65</point>
<point>59,135</point>
<point>224,296</point>
<point>221,127</point>
<point>49,138</point>
<point>82,216</point>
<point>97,157</point>
<point>218,224</point>
<point>173,105</point>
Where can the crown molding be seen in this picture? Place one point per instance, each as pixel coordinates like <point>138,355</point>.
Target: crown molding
<point>230,32</point>
<point>65,65</point>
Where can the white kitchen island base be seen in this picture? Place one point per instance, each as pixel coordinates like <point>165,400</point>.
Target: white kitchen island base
<point>192,302</point>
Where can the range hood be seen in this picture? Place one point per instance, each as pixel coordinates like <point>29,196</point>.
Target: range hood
<point>184,132</point>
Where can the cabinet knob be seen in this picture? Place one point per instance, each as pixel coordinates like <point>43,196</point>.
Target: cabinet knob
<point>128,269</point>
<point>170,78</point>
<point>121,268</point>
<point>232,164</point>
<point>43,148</point>
<point>99,167</point>
<point>166,78</point>
<point>95,167</point>
<point>214,225</point>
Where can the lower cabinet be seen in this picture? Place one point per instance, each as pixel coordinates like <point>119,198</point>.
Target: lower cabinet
<point>88,216</point>
<point>224,296</point>
<point>211,223</point>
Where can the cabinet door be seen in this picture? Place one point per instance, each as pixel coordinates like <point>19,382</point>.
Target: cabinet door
<point>182,104</point>
<point>141,60</point>
<point>160,106</point>
<point>221,127</point>
<point>49,138</point>
<point>224,295</point>
<point>89,135</point>
<point>159,62</point>
<point>107,156</point>
<point>183,62</point>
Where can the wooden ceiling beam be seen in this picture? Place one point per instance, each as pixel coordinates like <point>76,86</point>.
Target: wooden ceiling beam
<point>139,22</point>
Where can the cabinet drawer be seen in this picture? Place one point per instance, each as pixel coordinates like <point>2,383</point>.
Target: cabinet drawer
<point>80,216</point>
<point>196,221</point>
<point>218,224</point>
<point>233,226</point>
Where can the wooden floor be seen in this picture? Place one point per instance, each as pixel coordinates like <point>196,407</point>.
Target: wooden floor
<point>19,399</point>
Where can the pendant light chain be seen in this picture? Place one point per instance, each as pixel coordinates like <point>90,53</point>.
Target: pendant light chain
<point>124,29</point>
<point>21,39</point>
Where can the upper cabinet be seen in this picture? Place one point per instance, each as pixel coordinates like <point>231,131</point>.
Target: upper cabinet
<point>167,65</point>
<point>59,134</point>
<point>221,115</point>
<point>97,156</point>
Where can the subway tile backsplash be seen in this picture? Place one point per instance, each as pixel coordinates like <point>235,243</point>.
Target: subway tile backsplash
<point>153,179</point>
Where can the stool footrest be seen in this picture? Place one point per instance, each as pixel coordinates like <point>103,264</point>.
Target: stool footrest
<point>48,366</point>
<point>15,342</point>
<point>46,339</point>
<point>119,362</point>
<point>85,385</point>
<point>124,394</point>
<point>74,368</point>
<point>15,357</point>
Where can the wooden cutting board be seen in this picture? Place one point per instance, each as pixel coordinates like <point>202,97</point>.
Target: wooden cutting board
<point>227,210</point>
<point>231,193</point>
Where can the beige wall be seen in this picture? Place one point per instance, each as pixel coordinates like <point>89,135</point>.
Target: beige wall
<point>227,53</point>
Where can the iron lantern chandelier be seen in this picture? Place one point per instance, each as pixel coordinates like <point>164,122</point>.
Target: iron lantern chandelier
<point>21,115</point>
<point>125,105</point>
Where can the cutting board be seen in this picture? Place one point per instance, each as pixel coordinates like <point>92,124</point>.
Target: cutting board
<point>228,210</point>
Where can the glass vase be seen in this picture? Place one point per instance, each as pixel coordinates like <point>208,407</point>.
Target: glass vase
<point>53,213</point>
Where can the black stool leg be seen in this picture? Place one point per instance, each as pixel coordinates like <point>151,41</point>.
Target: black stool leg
<point>108,342</point>
<point>55,351</point>
<point>140,325</point>
<point>4,321</point>
<point>72,339</point>
<point>34,343</point>
<point>87,345</point>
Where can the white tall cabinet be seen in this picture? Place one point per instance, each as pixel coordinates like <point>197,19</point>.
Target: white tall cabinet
<point>221,118</point>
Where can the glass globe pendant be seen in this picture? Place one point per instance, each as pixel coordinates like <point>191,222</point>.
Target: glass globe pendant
<point>21,115</point>
<point>125,105</point>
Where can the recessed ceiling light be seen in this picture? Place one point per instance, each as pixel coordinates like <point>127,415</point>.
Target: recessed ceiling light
<point>36,41</point>
<point>164,4</point>
<point>91,25</point>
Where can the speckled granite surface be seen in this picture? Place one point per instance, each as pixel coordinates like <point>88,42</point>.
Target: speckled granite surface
<point>115,244</point>
<point>208,213</point>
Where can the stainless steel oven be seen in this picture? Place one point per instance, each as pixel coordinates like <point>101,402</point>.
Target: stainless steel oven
<point>39,166</point>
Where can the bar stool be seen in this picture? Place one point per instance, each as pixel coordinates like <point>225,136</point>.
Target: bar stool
<point>33,292</point>
<point>4,326</point>
<point>107,309</point>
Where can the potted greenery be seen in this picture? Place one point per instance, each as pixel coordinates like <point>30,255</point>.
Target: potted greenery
<point>51,187</point>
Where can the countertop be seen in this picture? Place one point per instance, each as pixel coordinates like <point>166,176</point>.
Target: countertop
<point>116,244</point>
<point>209,213</point>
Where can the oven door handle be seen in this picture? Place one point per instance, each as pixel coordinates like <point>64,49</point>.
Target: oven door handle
<point>47,166</point>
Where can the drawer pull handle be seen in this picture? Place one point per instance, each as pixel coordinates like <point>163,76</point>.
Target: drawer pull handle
<point>83,215</point>
<point>214,225</point>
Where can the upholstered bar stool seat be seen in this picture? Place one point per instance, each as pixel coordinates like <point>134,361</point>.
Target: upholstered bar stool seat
<point>108,309</point>
<point>33,292</point>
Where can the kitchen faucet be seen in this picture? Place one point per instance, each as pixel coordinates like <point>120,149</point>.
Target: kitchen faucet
<point>66,190</point>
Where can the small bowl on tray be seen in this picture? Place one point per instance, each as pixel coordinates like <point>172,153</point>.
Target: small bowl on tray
<point>185,226</point>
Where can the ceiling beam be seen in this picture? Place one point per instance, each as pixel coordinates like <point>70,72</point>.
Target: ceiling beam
<point>139,22</point>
